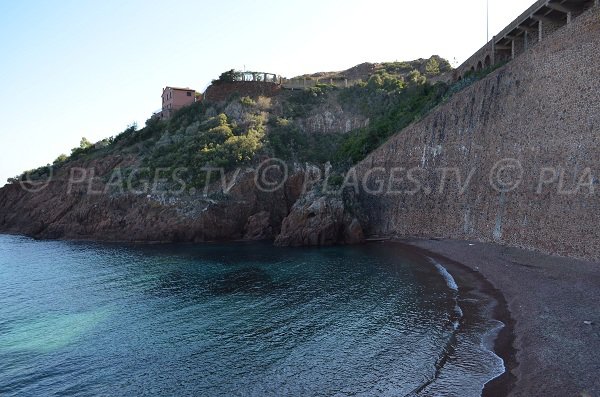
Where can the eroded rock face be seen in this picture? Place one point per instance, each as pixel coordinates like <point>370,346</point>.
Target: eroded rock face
<point>319,220</point>
<point>258,226</point>
<point>331,118</point>
<point>63,211</point>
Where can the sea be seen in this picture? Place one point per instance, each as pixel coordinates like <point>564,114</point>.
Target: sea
<point>237,319</point>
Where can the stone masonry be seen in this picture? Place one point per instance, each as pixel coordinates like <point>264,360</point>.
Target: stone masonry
<point>536,24</point>
<point>527,136</point>
<point>224,90</point>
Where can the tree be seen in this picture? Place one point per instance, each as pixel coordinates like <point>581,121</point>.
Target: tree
<point>84,143</point>
<point>60,159</point>
<point>229,76</point>
<point>84,146</point>
<point>433,67</point>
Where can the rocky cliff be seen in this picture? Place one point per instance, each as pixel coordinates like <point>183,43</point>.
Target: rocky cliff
<point>515,158</point>
<point>97,195</point>
<point>198,176</point>
<point>89,210</point>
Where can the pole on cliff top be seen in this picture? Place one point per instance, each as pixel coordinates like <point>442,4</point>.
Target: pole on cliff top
<point>487,16</point>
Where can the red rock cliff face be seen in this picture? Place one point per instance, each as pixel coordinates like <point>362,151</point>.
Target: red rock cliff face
<point>541,112</point>
<point>62,212</point>
<point>319,220</point>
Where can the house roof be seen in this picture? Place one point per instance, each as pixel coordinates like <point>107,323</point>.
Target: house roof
<point>178,89</point>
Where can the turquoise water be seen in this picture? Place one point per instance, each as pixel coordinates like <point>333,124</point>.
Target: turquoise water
<point>90,319</point>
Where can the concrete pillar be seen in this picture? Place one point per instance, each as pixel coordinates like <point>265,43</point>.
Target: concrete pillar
<point>512,49</point>
<point>569,17</point>
<point>265,77</point>
<point>493,59</point>
<point>526,40</point>
<point>346,83</point>
<point>540,31</point>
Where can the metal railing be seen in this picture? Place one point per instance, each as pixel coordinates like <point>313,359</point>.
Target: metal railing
<point>303,83</point>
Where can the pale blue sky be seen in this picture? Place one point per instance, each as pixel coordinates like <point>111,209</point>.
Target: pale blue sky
<point>89,68</point>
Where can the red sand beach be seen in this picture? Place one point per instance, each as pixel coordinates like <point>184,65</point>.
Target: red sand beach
<point>551,345</point>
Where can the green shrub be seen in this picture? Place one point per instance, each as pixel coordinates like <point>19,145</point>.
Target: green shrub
<point>390,107</point>
<point>217,135</point>
<point>60,159</point>
<point>85,147</point>
<point>286,141</point>
<point>228,76</point>
<point>433,67</point>
<point>217,143</point>
<point>300,103</point>
<point>247,101</point>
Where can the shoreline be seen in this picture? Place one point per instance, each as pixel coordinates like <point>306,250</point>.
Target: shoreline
<point>502,342</point>
<point>546,303</point>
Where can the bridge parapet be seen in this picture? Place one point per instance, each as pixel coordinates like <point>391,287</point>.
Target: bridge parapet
<point>537,23</point>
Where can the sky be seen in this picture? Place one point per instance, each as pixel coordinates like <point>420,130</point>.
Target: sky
<point>71,69</point>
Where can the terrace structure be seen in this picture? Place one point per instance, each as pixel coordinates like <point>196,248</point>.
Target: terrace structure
<point>252,84</point>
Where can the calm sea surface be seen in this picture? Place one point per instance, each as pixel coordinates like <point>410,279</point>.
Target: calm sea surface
<point>87,319</point>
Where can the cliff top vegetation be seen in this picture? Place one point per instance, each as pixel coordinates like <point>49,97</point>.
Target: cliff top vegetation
<point>243,130</point>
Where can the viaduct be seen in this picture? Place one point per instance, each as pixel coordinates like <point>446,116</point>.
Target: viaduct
<point>534,25</point>
<point>540,20</point>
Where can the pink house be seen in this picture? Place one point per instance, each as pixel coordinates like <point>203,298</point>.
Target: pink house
<point>174,98</point>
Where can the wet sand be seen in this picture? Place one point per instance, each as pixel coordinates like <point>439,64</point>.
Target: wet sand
<point>548,347</point>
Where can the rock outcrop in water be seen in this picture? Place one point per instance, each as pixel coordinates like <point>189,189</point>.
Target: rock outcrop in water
<point>319,220</point>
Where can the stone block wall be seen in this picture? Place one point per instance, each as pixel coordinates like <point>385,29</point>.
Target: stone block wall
<point>534,124</point>
<point>531,39</point>
<point>253,89</point>
<point>549,28</point>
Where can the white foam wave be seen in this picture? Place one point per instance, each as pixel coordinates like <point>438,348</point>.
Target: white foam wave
<point>445,274</point>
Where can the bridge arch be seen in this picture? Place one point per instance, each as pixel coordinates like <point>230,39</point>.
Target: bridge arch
<point>487,62</point>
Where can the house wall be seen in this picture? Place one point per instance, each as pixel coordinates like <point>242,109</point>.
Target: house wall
<point>175,98</point>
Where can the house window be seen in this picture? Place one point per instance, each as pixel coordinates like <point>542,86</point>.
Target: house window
<point>189,93</point>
